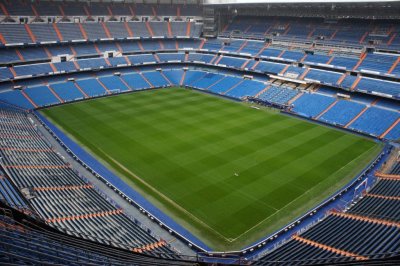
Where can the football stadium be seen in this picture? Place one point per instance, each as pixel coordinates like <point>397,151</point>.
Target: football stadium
<point>199,132</point>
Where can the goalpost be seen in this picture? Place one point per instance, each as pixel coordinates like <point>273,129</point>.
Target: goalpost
<point>361,189</point>
<point>115,91</point>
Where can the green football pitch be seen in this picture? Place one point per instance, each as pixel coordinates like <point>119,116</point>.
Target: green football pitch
<point>226,171</point>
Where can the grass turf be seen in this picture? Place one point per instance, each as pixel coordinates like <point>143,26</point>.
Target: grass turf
<point>227,172</point>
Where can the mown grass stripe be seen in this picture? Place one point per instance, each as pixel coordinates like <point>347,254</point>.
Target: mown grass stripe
<point>241,172</point>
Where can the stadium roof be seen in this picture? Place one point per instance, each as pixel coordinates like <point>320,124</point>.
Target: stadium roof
<point>221,2</point>
<point>140,1</point>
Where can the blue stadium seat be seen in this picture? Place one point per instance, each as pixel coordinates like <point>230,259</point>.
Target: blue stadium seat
<point>394,134</point>
<point>225,84</point>
<point>16,98</point>
<point>91,87</point>
<point>246,88</point>
<point>117,29</point>
<point>8,56</point>
<point>130,46</point>
<point>212,45</point>
<point>10,193</point>
<point>15,33</point>
<point>70,31</point>
<point>375,121</point>
<point>5,73</point>
<point>168,44</point>
<point>107,47</point>
<point>94,31</point>
<point>117,61</point>
<point>156,79</point>
<point>174,75</point>
<point>325,77</point>
<point>293,55</point>
<point>59,50</point>
<point>33,53</point>
<point>294,71</point>
<point>377,63</point>
<point>252,47</point>
<point>67,91</point>
<point>159,28</point>
<point>93,63</point>
<point>375,85</point>
<point>150,45</point>
<point>113,83</point>
<point>41,96</point>
<point>33,70</point>
<point>197,57</point>
<point>139,29</point>
<point>346,62</point>
<point>279,95</point>
<point>178,28</point>
<point>65,66</point>
<point>141,59</point>
<point>271,52</point>
<point>207,80</point>
<point>189,44</point>
<point>135,81</point>
<point>317,59</point>
<point>342,112</point>
<point>232,61</point>
<point>193,75</point>
<point>85,49</point>
<point>311,105</point>
<point>44,32</point>
<point>270,67</point>
<point>171,57</point>
<point>348,81</point>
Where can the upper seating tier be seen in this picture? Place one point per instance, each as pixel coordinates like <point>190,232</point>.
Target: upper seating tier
<point>66,31</point>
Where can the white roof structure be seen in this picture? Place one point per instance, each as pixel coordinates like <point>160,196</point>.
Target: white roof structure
<point>222,2</point>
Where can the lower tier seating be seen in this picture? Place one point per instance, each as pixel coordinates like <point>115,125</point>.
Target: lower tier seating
<point>375,121</point>
<point>26,243</point>
<point>342,112</point>
<point>365,231</point>
<point>9,194</point>
<point>311,105</point>
<point>353,114</point>
<point>279,95</point>
<point>61,197</point>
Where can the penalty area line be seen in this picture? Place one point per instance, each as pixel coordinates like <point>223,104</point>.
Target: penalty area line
<point>166,198</point>
<point>302,195</point>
